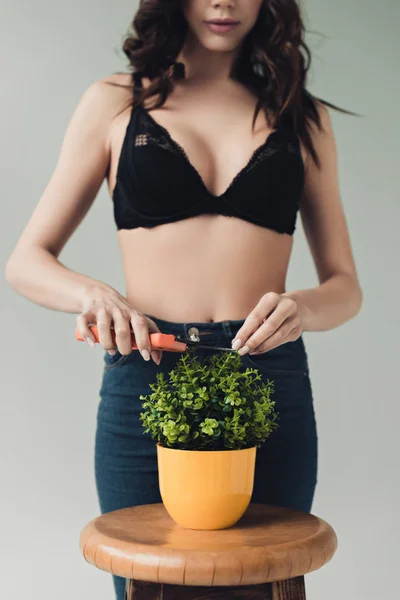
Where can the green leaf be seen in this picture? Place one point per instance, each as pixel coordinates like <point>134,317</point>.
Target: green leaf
<point>214,403</point>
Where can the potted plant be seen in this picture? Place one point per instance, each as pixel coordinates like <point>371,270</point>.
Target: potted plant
<point>208,419</point>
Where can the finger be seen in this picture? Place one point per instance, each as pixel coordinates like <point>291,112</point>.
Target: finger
<point>156,355</point>
<point>288,332</point>
<point>123,332</point>
<point>267,303</point>
<point>103,321</point>
<point>82,323</point>
<point>140,328</point>
<point>286,309</point>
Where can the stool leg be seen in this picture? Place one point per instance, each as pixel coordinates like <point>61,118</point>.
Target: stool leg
<point>144,590</point>
<point>290,589</point>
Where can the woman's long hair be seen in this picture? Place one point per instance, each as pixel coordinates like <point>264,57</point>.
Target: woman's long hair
<point>273,62</point>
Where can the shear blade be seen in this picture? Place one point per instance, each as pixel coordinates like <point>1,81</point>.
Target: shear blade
<point>210,347</point>
<point>196,344</point>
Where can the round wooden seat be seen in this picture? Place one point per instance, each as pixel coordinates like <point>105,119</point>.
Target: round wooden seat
<point>268,544</point>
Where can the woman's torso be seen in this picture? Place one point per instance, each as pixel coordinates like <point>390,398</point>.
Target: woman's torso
<point>209,267</point>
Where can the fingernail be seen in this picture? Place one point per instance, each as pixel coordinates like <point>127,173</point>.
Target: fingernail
<point>243,350</point>
<point>89,341</point>
<point>236,344</point>
<point>156,357</point>
<point>145,354</point>
<point>112,352</point>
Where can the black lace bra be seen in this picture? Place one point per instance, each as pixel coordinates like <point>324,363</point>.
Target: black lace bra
<point>156,183</point>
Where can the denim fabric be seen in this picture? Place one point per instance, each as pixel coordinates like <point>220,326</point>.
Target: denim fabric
<point>126,459</point>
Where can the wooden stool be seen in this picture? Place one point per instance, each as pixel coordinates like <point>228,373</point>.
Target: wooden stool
<point>265,556</point>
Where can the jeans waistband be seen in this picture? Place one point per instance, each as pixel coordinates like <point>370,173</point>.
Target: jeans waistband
<point>213,331</point>
<point>222,333</point>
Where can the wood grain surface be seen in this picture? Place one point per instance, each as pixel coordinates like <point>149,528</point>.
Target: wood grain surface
<point>268,544</point>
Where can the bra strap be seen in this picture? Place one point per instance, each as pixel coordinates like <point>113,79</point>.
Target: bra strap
<point>137,83</point>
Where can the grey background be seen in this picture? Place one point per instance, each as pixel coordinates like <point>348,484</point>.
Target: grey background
<point>51,51</point>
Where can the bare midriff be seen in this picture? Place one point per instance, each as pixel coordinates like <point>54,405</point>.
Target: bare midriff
<point>205,268</point>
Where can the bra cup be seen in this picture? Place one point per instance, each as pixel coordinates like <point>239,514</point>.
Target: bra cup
<point>164,186</point>
<point>275,185</point>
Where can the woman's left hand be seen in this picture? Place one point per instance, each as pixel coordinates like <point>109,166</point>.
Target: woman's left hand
<point>274,321</point>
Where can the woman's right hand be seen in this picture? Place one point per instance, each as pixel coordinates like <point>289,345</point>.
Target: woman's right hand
<point>105,307</point>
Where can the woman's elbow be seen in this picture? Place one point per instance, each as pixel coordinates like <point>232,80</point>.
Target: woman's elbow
<point>357,298</point>
<point>11,271</point>
<point>14,270</point>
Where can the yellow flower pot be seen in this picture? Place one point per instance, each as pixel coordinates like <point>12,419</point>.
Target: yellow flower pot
<point>206,489</point>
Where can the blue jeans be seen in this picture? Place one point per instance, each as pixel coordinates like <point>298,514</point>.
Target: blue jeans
<point>126,459</point>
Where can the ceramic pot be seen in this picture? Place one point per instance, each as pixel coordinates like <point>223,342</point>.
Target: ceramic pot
<point>206,489</point>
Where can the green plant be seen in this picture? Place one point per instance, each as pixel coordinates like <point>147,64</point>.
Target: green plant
<point>209,405</point>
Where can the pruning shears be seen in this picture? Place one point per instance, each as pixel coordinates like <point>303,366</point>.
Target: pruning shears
<point>164,341</point>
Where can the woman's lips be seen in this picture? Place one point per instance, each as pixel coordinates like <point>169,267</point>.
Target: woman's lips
<point>221,27</point>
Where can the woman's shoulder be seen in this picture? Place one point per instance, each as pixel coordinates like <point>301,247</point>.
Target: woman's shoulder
<point>115,86</point>
<point>120,87</point>
<point>126,80</point>
<point>109,95</point>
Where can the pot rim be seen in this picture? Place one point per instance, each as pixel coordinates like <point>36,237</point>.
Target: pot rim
<point>228,450</point>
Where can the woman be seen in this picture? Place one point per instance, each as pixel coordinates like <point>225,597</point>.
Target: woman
<point>205,204</point>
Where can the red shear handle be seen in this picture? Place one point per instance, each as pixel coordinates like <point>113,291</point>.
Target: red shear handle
<point>158,341</point>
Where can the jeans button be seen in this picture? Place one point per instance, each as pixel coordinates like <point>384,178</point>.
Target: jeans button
<point>194,334</point>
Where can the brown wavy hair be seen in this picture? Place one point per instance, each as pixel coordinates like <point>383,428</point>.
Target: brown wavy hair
<point>273,62</point>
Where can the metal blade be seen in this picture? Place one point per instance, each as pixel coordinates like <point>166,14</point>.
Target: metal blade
<point>209,347</point>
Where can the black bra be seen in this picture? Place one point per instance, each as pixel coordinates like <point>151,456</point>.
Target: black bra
<point>156,183</point>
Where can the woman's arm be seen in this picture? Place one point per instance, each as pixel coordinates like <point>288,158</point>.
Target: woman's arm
<point>281,318</point>
<point>33,269</point>
<point>338,298</point>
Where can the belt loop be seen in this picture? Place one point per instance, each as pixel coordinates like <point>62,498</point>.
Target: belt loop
<point>227,328</point>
